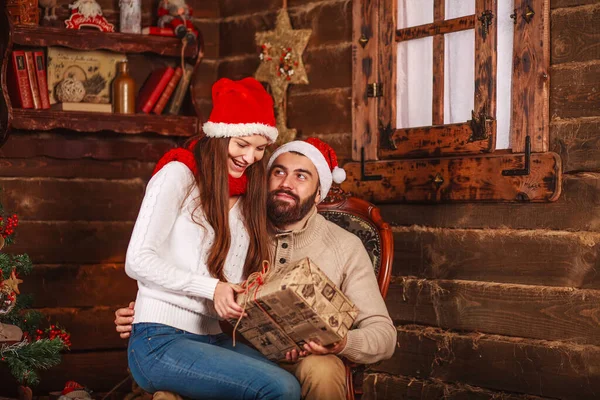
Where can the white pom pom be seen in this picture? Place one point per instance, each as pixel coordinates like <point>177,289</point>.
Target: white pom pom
<point>339,175</point>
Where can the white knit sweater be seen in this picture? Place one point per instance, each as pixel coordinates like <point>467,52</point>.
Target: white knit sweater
<point>167,254</point>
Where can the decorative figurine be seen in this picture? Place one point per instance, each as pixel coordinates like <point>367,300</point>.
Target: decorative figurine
<point>88,14</point>
<point>49,7</point>
<point>176,14</point>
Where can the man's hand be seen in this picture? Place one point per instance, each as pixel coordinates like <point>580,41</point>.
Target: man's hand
<point>124,319</point>
<point>293,355</point>
<point>224,300</point>
<point>315,348</point>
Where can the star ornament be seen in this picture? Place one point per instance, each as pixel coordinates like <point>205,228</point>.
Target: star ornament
<point>281,57</point>
<point>12,283</point>
<point>281,64</point>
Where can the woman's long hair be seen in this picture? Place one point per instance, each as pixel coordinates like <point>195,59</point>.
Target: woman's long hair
<point>213,181</point>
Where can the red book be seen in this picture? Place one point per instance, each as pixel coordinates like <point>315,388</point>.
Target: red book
<point>166,95</point>
<point>40,68</point>
<point>153,88</point>
<point>156,31</point>
<point>20,92</point>
<point>31,73</point>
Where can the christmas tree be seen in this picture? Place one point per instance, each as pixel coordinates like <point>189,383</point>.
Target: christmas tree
<point>24,346</point>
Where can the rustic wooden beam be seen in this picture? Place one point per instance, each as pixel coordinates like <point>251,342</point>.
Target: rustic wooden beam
<point>44,120</point>
<point>385,386</point>
<point>52,168</point>
<point>473,178</point>
<point>577,142</point>
<point>439,14</point>
<point>526,311</point>
<point>574,89</point>
<point>365,37</point>
<point>575,34</point>
<point>495,362</point>
<point>438,141</point>
<point>80,285</point>
<point>436,28</point>
<point>61,146</point>
<point>53,199</point>
<point>486,44</point>
<point>556,4</point>
<point>73,242</point>
<point>530,81</point>
<point>90,328</point>
<point>386,71</point>
<point>577,209</point>
<point>34,35</point>
<point>519,256</point>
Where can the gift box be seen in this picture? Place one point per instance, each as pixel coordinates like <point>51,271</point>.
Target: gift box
<point>293,305</point>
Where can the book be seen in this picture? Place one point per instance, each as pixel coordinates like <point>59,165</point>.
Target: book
<point>153,87</point>
<point>87,107</point>
<point>18,82</point>
<point>32,75</point>
<point>40,68</point>
<point>156,31</point>
<point>181,90</point>
<point>166,94</point>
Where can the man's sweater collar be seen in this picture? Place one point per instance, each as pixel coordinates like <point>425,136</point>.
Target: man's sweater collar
<point>305,236</point>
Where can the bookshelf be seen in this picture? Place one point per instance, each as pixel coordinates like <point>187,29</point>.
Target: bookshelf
<point>17,36</point>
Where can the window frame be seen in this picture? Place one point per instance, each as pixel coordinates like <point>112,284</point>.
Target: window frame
<point>374,118</point>
<point>526,172</point>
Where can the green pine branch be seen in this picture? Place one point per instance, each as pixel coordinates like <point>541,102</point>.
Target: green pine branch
<point>25,359</point>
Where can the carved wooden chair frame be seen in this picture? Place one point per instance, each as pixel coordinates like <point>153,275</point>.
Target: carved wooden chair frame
<point>338,202</point>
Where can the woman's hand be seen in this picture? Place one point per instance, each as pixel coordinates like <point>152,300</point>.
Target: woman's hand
<point>124,319</point>
<point>224,300</point>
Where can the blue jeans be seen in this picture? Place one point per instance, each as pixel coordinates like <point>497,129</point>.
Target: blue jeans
<point>204,366</point>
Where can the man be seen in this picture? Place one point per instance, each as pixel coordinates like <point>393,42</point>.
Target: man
<point>300,176</point>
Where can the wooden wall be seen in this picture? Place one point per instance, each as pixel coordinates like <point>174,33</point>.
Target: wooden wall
<point>490,300</point>
<point>77,196</point>
<point>503,299</point>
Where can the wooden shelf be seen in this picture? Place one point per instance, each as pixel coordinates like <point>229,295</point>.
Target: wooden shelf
<point>12,35</point>
<point>33,35</point>
<point>44,120</point>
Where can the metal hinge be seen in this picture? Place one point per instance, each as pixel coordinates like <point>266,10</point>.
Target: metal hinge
<point>375,89</point>
<point>486,20</point>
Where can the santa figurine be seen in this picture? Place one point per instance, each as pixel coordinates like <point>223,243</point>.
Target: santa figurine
<point>87,8</point>
<point>177,14</point>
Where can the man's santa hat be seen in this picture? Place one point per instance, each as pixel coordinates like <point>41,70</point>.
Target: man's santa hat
<point>322,156</point>
<point>241,108</point>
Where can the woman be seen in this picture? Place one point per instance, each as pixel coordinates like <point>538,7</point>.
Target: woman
<point>201,226</point>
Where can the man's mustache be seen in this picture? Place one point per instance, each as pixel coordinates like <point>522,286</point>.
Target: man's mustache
<point>283,191</point>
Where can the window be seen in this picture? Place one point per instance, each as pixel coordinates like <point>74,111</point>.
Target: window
<point>465,79</point>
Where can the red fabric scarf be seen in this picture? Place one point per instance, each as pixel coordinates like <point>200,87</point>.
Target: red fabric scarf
<point>237,186</point>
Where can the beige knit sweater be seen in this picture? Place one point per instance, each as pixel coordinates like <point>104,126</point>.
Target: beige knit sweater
<point>343,258</point>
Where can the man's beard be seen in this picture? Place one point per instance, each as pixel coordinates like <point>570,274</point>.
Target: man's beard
<point>282,213</point>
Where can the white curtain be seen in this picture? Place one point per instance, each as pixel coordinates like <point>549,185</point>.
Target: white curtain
<point>415,67</point>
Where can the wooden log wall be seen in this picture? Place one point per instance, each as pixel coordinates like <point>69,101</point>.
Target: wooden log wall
<point>502,300</point>
<point>490,300</point>
<point>77,196</point>
<point>323,107</point>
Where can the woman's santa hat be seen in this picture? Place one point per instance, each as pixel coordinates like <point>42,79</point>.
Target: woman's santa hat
<point>241,108</point>
<point>322,156</point>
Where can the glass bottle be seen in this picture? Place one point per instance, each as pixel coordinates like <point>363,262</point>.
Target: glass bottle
<point>123,89</point>
<point>131,16</point>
